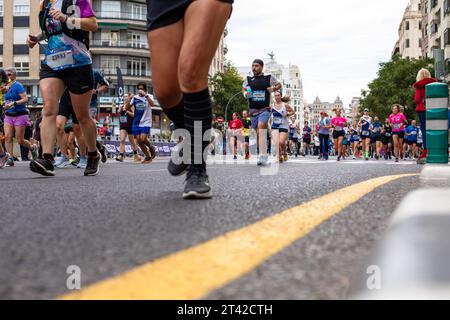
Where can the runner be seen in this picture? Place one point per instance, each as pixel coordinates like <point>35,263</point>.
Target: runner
<point>68,64</point>
<point>324,135</point>
<point>339,123</point>
<point>375,138</point>
<point>294,142</point>
<point>355,139</point>
<point>306,137</point>
<point>411,133</point>
<point>66,114</point>
<point>246,131</point>
<point>126,113</point>
<point>142,121</point>
<point>235,131</point>
<point>397,120</point>
<point>183,38</point>
<point>4,80</point>
<point>16,116</point>
<point>365,124</point>
<point>258,90</point>
<point>345,142</point>
<point>281,110</point>
<point>386,137</point>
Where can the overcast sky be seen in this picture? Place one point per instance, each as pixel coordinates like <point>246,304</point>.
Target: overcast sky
<point>336,43</point>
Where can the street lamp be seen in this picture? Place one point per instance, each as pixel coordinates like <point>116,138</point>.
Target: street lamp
<point>224,142</point>
<point>229,101</point>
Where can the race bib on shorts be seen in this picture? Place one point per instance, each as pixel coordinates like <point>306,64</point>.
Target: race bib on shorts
<point>388,134</point>
<point>365,133</point>
<point>123,119</point>
<point>338,128</point>
<point>397,125</point>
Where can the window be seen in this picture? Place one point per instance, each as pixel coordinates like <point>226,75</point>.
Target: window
<point>137,67</point>
<point>137,40</point>
<point>1,36</point>
<point>1,8</point>
<point>420,25</point>
<point>407,43</point>
<point>109,64</point>
<point>110,38</point>
<point>137,11</point>
<point>111,9</point>
<point>22,65</point>
<point>20,35</point>
<point>21,8</point>
<point>407,25</point>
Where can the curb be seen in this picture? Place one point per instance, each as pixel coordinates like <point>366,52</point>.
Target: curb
<point>435,172</point>
<point>413,258</point>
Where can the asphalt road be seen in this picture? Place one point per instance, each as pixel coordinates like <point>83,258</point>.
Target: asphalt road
<point>132,214</point>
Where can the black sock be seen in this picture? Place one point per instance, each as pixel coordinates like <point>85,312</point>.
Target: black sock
<point>93,154</point>
<point>197,108</point>
<point>98,145</point>
<point>135,152</point>
<point>176,115</point>
<point>122,154</point>
<point>48,157</point>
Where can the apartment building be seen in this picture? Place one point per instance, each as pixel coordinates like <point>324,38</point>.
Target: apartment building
<point>409,44</point>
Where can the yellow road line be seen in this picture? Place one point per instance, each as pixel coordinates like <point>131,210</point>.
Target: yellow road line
<point>197,271</point>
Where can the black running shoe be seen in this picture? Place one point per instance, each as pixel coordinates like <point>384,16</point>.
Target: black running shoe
<point>102,150</point>
<point>43,166</point>
<point>92,166</point>
<point>177,169</point>
<point>197,183</point>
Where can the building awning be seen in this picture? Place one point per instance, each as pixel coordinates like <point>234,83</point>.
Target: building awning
<point>113,25</point>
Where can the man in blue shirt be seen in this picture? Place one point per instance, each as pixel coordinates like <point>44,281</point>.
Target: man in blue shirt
<point>411,133</point>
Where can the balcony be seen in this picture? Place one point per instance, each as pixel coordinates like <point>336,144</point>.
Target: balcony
<point>128,73</point>
<point>121,20</point>
<point>139,49</point>
<point>120,44</point>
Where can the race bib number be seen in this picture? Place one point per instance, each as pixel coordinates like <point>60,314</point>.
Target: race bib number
<point>377,129</point>
<point>338,128</point>
<point>413,133</point>
<point>365,133</point>
<point>276,120</point>
<point>388,134</point>
<point>60,59</point>
<point>259,95</point>
<point>397,125</point>
<point>123,119</point>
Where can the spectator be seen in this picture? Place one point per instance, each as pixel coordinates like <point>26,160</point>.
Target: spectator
<point>423,78</point>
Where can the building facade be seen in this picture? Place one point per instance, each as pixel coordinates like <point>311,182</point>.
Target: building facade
<point>410,43</point>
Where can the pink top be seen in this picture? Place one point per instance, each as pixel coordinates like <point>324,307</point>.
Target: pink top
<point>396,121</point>
<point>339,123</point>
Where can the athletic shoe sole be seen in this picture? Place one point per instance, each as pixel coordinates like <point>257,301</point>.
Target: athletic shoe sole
<point>93,174</point>
<point>195,195</point>
<point>38,168</point>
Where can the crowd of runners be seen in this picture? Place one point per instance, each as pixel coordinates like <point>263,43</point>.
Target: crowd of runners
<point>183,44</point>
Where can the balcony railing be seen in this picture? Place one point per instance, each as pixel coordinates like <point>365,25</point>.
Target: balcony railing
<point>121,15</point>
<point>119,44</point>
<point>128,72</point>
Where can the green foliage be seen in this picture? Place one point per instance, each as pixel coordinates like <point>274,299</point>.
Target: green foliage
<point>224,86</point>
<point>394,85</point>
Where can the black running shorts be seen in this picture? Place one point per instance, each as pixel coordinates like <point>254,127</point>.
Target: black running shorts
<point>162,13</point>
<point>66,108</point>
<point>78,80</point>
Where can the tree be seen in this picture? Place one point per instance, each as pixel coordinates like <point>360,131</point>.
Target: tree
<point>224,86</point>
<point>394,85</point>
